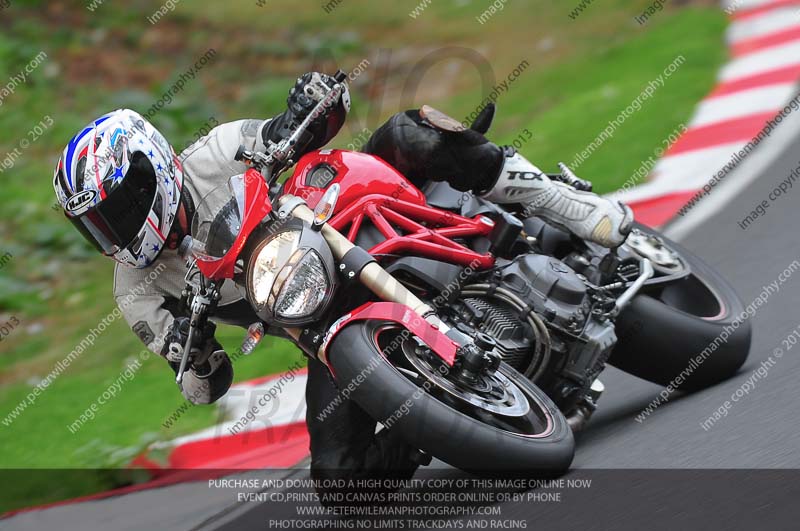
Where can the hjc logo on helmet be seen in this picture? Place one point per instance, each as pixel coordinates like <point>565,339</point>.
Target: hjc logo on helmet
<point>80,200</point>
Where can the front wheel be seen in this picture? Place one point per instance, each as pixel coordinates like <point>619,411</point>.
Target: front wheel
<point>503,424</point>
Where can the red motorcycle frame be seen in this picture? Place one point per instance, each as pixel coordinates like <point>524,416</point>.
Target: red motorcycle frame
<point>373,190</point>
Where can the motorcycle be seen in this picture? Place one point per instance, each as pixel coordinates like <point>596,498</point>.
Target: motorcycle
<point>477,331</point>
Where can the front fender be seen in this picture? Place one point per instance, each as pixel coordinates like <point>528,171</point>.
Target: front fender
<point>443,346</point>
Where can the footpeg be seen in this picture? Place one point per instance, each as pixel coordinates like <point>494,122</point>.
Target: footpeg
<point>420,458</point>
<point>646,274</point>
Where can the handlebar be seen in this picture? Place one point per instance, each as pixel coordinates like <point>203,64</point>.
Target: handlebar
<point>187,349</point>
<point>203,303</point>
<point>284,152</point>
<point>280,156</point>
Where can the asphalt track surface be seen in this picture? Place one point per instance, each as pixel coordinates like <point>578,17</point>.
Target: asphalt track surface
<point>632,490</point>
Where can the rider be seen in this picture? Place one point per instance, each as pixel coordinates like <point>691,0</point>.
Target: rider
<point>123,187</point>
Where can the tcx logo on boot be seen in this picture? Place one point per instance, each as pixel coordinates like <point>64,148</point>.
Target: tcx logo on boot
<point>524,175</point>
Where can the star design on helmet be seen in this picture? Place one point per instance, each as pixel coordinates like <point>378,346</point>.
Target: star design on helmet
<point>155,248</point>
<point>160,167</point>
<point>117,175</point>
<point>151,154</point>
<point>141,142</point>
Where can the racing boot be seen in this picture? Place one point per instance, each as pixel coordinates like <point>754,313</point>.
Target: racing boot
<point>583,213</point>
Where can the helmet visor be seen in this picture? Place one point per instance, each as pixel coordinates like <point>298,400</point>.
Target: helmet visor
<point>115,222</point>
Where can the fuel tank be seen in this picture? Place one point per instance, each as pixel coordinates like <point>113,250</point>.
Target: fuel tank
<point>358,174</point>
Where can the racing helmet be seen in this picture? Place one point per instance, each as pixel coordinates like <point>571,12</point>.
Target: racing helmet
<point>119,183</point>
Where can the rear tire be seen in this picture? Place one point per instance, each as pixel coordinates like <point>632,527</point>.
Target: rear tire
<point>440,430</point>
<point>662,337</point>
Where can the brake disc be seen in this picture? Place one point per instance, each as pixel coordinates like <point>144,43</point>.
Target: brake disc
<point>494,393</point>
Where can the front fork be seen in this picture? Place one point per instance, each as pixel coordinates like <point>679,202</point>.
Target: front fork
<point>373,277</point>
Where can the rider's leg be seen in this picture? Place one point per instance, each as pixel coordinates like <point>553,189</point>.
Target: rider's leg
<point>435,148</point>
<point>343,441</point>
<point>424,153</point>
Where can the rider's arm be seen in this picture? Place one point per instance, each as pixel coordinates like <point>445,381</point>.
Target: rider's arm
<point>211,159</point>
<point>143,306</point>
<point>147,299</point>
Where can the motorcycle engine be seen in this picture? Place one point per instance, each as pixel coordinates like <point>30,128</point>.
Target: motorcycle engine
<point>515,338</point>
<point>570,345</point>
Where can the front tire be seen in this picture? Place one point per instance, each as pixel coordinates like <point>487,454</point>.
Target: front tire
<point>357,359</point>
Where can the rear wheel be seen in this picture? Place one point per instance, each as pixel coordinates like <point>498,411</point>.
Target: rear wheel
<point>691,328</point>
<point>500,423</point>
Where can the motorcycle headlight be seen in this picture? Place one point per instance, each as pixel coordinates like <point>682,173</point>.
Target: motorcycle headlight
<point>286,280</point>
<point>268,263</point>
<point>301,286</point>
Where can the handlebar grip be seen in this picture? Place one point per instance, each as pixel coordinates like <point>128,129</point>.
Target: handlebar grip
<point>239,157</point>
<point>339,76</point>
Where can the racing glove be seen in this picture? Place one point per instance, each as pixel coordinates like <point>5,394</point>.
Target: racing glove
<point>210,374</point>
<point>303,97</point>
